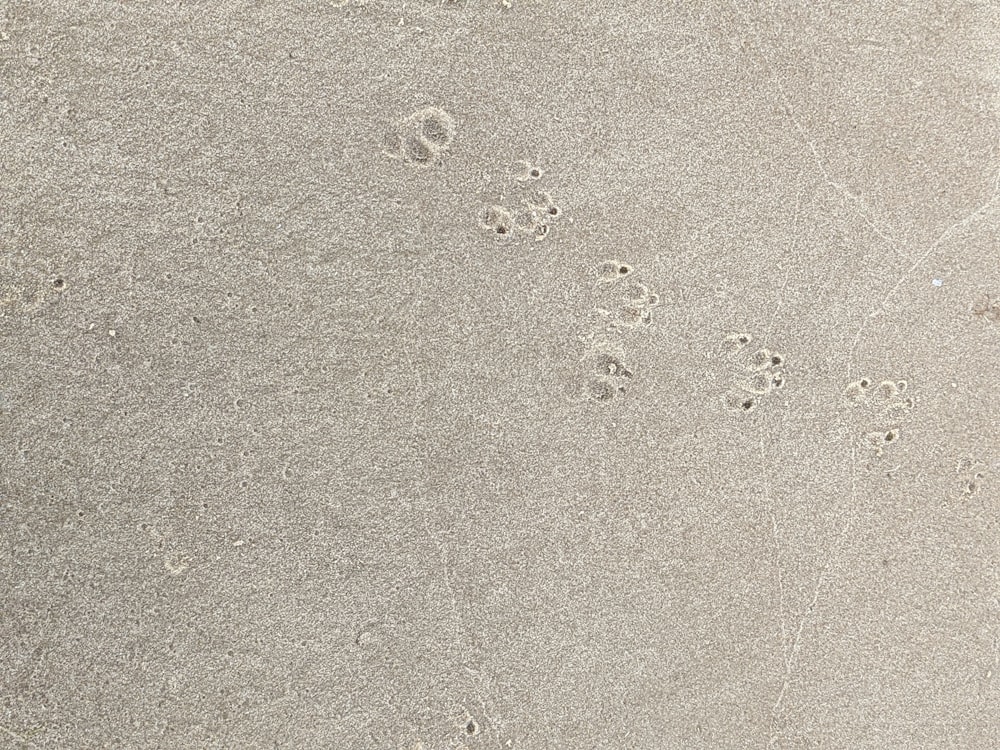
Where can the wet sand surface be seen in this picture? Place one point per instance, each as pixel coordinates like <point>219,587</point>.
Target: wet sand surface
<point>419,375</point>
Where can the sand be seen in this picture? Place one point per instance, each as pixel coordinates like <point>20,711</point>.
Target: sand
<point>420,375</point>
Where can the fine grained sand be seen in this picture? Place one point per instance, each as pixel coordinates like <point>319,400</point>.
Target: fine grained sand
<point>322,429</point>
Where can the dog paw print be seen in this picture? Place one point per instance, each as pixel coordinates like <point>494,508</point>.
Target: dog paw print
<point>605,362</point>
<point>744,402</point>
<point>545,212</point>
<point>498,220</point>
<point>756,373</point>
<point>879,406</point>
<point>623,300</point>
<point>882,398</point>
<point>973,475</point>
<point>605,373</point>
<point>603,389</point>
<point>880,440</point>
<point>531,213</point>
<point>423,138</point>
<point>987,308</point>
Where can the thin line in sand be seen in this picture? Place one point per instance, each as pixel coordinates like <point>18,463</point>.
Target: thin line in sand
<point>958,225</point>
<point>790,653</point>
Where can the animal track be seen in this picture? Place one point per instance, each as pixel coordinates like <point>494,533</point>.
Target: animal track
<point>623,301</point>
<point>883,398</point>
<point>756,374</point>
<point>742,402</point>
<point>606,373</point>
<point>531,214</point>
<point>462,728</point>
<point>603,389</point>
<point>605,363</point>
<point>987,307</point>
<point>879,408</point>
<point>498,219</point>
<point>973,475</point>
<point>528,172</point>
<point>471,727</point>
<point>422,138</point>
<point>879,440</point>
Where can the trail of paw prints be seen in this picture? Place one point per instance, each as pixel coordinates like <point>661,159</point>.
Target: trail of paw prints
<point>756,373</point>
<point>621,303</point>
<point>530,213</point>
<point>423,138</point>
<point>879,408</point>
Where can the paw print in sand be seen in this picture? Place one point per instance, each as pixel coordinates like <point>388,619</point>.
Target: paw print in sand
<point>879,407</point>
<point>605,373</point>
<point>623,301</point>
<point>529,213</point>
<point>423,138</point>
<point>757,373</point>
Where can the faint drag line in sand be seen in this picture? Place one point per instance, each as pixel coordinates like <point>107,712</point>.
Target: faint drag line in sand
<point>460,633</point>
<point>777,552</point>
<point>788,270</point>
<point>458,622</point>
<point>790,653</point>
<point>969,218</point>
<point>863,208</point>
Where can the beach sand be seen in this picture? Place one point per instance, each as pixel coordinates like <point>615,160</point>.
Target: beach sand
<point>527,375</point>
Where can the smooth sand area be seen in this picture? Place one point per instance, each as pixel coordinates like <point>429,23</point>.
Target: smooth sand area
<point>510,375</point>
